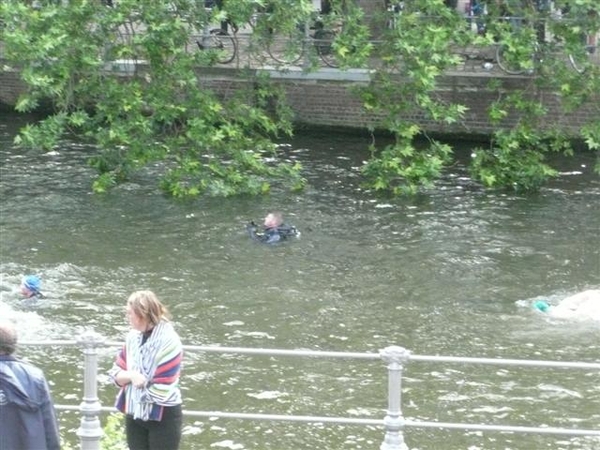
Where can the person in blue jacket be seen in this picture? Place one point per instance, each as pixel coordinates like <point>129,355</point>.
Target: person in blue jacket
<point>27,416</point>
<point>275,230</point>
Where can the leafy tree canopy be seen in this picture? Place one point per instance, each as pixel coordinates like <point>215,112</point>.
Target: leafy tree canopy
<point>423,39</point>
<point>68,54</point>
<point>72,52</point>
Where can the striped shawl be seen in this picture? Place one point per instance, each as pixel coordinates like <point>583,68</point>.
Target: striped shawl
<point>159,360</point>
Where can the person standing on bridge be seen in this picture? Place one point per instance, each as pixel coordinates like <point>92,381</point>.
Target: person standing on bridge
<point>147,370</point>
<point>27,416</point>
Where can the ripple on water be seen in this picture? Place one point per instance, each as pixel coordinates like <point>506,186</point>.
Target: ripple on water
<point>440,274</point>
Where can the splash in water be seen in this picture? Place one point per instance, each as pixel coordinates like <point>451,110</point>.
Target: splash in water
<point>581,306</point>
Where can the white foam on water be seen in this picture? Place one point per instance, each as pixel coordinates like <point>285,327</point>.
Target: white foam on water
<point>582,306</point>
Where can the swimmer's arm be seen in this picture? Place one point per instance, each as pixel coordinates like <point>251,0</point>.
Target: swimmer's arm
<point>251,229</point>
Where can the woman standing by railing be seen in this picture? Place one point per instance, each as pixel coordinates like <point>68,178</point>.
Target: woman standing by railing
<point>147,369</point>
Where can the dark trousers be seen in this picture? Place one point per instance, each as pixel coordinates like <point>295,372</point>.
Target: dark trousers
<point>153,435</point>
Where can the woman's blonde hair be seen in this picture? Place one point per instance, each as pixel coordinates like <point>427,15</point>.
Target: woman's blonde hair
<point>145,304</point>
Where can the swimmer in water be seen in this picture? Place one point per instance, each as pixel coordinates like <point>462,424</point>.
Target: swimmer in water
<point>31,286</point>
<point>275,230</point>
<point>583,305</point>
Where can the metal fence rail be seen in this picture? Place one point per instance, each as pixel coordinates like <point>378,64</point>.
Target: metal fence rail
<point>394,357</point>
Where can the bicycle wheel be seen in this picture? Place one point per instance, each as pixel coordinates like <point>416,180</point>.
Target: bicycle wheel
<point>509,61</point>
<point>323,42</point>
<point>224,44</point>
<point>285,48</point>
<point>581,61</point>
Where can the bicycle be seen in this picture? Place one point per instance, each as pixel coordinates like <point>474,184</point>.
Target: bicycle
<point>218,41</point>
<point>513,62</point>
<point>289,48</point>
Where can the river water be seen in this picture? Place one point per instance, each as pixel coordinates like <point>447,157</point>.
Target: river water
<point>450,272</point>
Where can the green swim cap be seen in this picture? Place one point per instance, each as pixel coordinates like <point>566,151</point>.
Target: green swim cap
<point>541,305</point>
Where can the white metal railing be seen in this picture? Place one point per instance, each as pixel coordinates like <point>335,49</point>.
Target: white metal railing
<point>395,358</point>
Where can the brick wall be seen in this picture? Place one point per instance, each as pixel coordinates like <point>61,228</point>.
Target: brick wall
<point>10,87</point>
<point>330,102</point>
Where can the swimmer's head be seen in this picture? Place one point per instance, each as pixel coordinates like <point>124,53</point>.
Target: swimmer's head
<point>541,305</point>
<point>31,284</point>
<point>273,220</point>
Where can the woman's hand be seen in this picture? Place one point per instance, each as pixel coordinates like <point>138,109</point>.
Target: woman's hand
<point>138,380</point>
<point>134,377</point>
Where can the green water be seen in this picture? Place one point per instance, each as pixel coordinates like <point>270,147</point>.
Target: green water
<point>450,272</point>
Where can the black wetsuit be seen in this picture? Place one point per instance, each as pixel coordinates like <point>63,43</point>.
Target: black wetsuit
<point>32,300</point>
<point>272,235</point>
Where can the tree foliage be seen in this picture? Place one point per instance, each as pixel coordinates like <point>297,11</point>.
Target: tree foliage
<point>540,39</point>
<point>415,51</point>
<point>162,113</point>
<point>124,79</point>
<point>420,44</point>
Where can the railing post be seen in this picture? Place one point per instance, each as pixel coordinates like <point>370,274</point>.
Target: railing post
<point>90,430</point>
<point>395,357</point>
<point>306,47</point>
